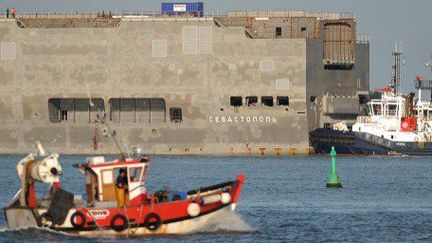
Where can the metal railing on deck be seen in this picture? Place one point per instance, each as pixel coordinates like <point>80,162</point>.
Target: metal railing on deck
<point>287,14</point>
<point>125,14</point>
<point>54,15</point>
<point>363,38</point>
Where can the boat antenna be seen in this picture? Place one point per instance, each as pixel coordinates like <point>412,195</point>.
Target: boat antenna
<point>124,141</point>
<point>106,130</point>
<point>429,64</point>
<point>397,70</point>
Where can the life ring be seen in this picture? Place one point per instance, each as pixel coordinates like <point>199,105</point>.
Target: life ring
<point>78,220</point>
<point>152,221</point>
<point>193,209</point>
<point>119,222</point>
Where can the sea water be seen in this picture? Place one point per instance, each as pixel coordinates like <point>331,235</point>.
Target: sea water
<point>383,199</point>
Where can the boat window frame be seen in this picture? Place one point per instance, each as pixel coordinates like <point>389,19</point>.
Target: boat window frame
<point>129,174</point>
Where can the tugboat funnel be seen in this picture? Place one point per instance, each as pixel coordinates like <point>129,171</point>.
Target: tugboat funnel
<point>333,179</point>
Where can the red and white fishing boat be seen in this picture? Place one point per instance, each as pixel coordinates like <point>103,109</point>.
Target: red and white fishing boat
<point>107,210</point>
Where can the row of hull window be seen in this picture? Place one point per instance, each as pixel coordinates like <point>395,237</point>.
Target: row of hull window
<point>252,101</point>
<point>74,109</point>
<point>124,110</point>
<point>278,31</point>
<point>131,110</point>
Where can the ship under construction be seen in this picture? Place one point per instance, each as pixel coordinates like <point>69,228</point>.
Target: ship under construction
<point>243,83</point>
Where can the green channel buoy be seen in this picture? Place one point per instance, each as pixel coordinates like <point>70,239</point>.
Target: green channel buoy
<point>333,179</point>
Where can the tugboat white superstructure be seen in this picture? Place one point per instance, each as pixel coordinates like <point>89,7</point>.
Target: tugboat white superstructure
<point>396,124</point>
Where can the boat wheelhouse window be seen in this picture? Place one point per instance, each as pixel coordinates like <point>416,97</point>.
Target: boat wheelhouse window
<point>392,110</point>
<point>176,115</point>
<point>137,110</point>
<point>282,100</point>
<point>376,109</point>
<point>278,31</point>
<point>144,176</point>
<point>251,101</point>
<point>75,110</point>
<point>135,174</point>
<point>236,101</point>
<point>267,100</point>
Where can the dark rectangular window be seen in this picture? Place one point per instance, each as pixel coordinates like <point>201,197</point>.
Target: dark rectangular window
<point>74,110</point>
<point>278,31</point>
<point>303,29</point>
<point>236,101</point>
<point>251,101</point>
<point>176,115</point>
<point>137,110</point>
<point>283,100</point>
<point>267,100</point>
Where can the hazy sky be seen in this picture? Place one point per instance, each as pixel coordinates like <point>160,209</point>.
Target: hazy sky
<point>386,21</point>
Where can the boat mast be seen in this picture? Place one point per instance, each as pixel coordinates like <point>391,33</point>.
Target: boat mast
<point>396,77</point>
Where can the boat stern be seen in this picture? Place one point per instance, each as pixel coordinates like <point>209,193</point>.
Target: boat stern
<point>236,190</point>
<point>20,217</point>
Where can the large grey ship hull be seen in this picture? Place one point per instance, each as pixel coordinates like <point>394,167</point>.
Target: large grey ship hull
<point>170,85</point>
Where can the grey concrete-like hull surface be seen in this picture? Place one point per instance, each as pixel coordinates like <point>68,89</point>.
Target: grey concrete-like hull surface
<point>193,65</point>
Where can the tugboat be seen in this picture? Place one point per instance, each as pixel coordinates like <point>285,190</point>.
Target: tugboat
<point>396,125</point>
<point>108,209</point>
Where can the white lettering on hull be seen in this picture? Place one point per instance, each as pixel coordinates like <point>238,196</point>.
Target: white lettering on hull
<point>99,213</point>
<point>242,119</point>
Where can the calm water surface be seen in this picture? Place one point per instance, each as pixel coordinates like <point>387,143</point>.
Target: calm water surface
<point>284,199</point>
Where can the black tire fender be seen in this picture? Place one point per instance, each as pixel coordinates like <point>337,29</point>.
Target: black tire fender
<point>117,227</point>
<point>82,222</point>
<point>152,221</point>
